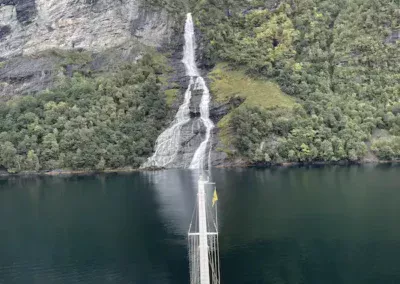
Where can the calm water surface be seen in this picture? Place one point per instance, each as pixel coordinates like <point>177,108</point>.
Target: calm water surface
<point>325,225</point>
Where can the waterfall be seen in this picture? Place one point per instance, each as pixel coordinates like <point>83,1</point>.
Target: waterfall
<point>168,143</point>
<point>189,51</point>
<point>201,152</point>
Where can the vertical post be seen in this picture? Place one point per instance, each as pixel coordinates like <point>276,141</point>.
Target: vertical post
<point>203,247</point>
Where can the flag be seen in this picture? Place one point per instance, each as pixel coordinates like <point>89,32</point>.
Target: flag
<point>215,197</point>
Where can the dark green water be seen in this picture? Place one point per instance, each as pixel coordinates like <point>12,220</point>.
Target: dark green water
<point>304,225</point>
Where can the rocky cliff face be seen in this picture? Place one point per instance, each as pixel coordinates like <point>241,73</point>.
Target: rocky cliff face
<point>112,31</point>
<point>29,26</point>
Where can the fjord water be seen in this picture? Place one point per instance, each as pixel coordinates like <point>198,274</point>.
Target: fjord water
<point>326,225</point>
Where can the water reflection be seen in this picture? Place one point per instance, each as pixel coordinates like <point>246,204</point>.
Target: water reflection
<point>175,192</point>
<point>92,230</point>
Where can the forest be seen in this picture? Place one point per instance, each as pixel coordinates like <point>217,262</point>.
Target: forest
<point>331,66</point>
<point>87,122</point>
<point>340,61</point>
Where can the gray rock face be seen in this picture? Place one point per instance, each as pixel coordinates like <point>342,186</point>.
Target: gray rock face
<point>23,75</point>
<point>395,36</point>
<point>30,26</point>
<point>25,9</point>
<point>114,31</point>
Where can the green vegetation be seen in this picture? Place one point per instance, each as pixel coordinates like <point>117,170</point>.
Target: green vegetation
<point>86,123</point>
<point>228,83</point>
<point>171,96</point>
<point>308,80</point>
<point>332,56</point>
<point>71,57</point>
<point>387,148</point>
<point>232,83</point>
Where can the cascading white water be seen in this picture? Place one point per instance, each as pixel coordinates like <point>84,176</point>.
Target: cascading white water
<point>200,154</point>
<point>189,51</point>
<point>169,142</point>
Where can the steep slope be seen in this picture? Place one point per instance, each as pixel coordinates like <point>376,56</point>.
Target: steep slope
<point>338,59</point>
<point>84,85</point>
<point>109,32</point>
<point>31,26</point>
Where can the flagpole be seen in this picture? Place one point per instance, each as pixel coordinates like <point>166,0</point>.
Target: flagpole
<point>218,260</point>
<point>203,240</point>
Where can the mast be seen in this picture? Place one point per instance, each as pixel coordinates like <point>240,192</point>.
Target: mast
<point>203,247</point>
<point>203,239</point>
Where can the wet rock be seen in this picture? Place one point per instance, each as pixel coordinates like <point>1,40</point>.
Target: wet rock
<point>218,156</point>
<point>219,110</point>
<point>25,10</point>
<point>192,134</point>
<point>4,31</point>
<point>195,103</point>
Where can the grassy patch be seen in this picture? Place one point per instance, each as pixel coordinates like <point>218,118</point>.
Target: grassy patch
<point>228,83</point>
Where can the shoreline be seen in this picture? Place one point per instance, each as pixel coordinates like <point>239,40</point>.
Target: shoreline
<point>307,164</point>
<point>67,172</point>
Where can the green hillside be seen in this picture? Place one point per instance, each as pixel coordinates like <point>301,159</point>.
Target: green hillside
<point>87,122</point>
<point>340,61</point>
